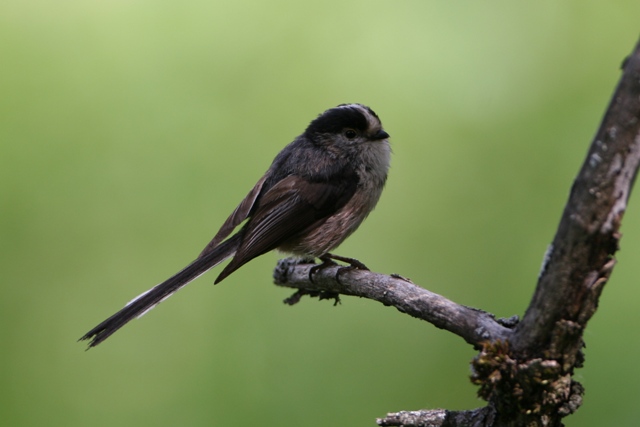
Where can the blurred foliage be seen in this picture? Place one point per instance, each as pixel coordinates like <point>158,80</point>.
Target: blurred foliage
<point>130,129</point>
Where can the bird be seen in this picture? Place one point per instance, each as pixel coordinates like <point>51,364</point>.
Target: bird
<point>315,194</point>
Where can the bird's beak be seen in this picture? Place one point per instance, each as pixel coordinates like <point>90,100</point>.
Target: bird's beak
<point>380,135</point>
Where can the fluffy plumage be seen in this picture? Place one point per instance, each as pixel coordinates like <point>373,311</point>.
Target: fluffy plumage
<point>317,192</point>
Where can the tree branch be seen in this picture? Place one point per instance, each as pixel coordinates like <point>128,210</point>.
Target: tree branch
<point>473,325</point>
<point>439,418</point>
<point>579,260</point>
<point>525,373</point>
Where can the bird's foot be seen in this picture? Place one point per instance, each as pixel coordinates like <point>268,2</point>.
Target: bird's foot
<point>326,263</point>
<point>354,264</point>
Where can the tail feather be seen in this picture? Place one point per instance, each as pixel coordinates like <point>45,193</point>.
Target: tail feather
<point>154,296</point>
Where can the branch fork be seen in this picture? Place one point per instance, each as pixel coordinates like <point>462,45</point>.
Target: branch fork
<point>524,369</point>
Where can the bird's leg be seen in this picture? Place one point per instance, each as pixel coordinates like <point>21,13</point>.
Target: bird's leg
<point>326,262</point>
<point>353,263</point>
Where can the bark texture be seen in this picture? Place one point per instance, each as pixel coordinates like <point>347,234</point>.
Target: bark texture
<point>524,369</point>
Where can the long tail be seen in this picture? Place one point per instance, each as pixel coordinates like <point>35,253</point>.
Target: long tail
<point>149,299</point>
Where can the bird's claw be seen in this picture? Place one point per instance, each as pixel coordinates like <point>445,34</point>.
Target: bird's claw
<point>328,261</point>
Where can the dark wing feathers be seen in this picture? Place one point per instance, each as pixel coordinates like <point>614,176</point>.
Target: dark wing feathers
<point>284,211</point>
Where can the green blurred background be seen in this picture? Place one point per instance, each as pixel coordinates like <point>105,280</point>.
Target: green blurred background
<point>130,129</point>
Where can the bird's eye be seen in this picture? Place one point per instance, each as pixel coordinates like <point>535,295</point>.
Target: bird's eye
<point>350,133</point>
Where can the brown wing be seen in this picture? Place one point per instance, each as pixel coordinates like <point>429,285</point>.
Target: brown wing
<point>240,213</point>
<point>287,209</point>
